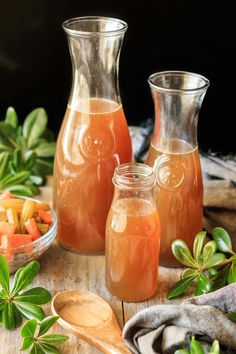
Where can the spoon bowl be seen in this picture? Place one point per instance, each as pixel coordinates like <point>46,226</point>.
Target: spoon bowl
<point>91,318</point>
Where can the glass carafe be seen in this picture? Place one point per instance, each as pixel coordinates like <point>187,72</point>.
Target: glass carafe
<point>133,234</point>
<point>174,154</point>
<point>94,136</point>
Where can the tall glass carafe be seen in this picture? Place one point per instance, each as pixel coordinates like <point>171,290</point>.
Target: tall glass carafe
<point>174,154</point>
<point>94,136</point>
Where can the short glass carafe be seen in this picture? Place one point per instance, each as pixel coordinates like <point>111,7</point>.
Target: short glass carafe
<point>174,155</point>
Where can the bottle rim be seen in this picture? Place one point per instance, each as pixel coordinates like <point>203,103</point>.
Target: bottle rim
<point>155,82</point>
<point>134,175</point>
<point>73,26</point>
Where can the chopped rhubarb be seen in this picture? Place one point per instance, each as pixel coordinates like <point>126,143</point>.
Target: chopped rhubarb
<point>7,228</point>
<point>45,216</point>
<point>9,242</point>
<point>32,228</point>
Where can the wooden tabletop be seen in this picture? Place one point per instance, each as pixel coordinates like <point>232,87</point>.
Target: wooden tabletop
<point>61,270</point>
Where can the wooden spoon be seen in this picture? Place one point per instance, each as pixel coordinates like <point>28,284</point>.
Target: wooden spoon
<point>91,318</point>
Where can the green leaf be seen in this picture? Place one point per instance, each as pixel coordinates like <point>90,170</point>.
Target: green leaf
<point>21,141</point>
<point>10,317</point>
<point>55,339</point>
<point>215,348</point>
<point>43,167</point>
<point>204,284</point>
<point>181,351</point>
<point>16,160</point>
<point>46,149</point>
<point>3,294</point>
<point>11,180</point>
<point>29,160</point>
<point>20,190</point>
<point>27,342</point>
<point>37,180</point>
<point>34,189</point>
<point>3,304</point>
<point>4,274</point>
<point>232,274</point>
<point>3,147</point>
<point>181,252</point>
<point>222,239</point>
<point>196,347</point>
<point>36,349</point>
<point>233,258</point>
<point>29,329</point>
<point>209,249</point>
<point>221,278</point>
<point>7,134</point>
<point>187,273</point>
<point>178,288</point>
<point>214,260</point>
<point>0,316</point>
<point>47,323</point>
<point>38,296</point>
<point>25,276</point>
<point>4,160</point>
<point>11,117</point>
<point>49,349</point>
<point>34,125</point>
<point>29,310</point>
<point>198,244</point>
<point>231,316</point>
<point>212,272</point>
<point>8,321</point>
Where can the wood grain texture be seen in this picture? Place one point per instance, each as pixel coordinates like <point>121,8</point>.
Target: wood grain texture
<point>62,270</point>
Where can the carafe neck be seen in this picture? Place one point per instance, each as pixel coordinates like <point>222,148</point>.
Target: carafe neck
<point>95,44</point>
<point>177,99</point>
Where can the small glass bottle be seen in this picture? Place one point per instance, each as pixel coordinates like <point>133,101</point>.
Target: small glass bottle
<point>132,234</point>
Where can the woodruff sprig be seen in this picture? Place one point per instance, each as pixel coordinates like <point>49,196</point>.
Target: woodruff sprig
<point>212,265</point>
<point>26,152</point>
<point>15,304</point>
<point>41,343</point>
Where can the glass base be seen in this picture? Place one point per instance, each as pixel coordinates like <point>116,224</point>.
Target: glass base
<point>132,300</point>
<point>74,250</point>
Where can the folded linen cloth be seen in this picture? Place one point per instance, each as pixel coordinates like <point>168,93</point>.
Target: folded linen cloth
<point>165,328</point>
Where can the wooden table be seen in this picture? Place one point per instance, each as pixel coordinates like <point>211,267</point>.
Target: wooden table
<point>61,270</point>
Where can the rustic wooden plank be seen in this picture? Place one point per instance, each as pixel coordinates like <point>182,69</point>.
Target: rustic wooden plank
<point>61,270</point>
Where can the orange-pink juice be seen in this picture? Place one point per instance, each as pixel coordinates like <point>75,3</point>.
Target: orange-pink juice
<point>132,249</point>
<point>181,209</point>
<point>93,140</point>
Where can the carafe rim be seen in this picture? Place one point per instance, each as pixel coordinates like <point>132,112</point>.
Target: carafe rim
<point>68,26</point>
<point>181,73</point>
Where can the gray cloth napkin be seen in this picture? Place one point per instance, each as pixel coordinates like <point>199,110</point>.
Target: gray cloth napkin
<point>165,328</point>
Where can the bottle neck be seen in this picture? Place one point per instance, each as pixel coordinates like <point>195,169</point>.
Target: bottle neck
<point>177,99</point>
<point>95,53</point>
<point>134,180</point>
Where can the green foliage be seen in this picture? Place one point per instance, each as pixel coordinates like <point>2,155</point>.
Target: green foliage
<point>41,343</point>
<point>208,269</point>
<point>195,347</point>
<point>26,152</point>
<point>14,303</point>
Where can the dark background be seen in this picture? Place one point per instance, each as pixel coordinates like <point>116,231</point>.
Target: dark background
<point>193,35</point>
